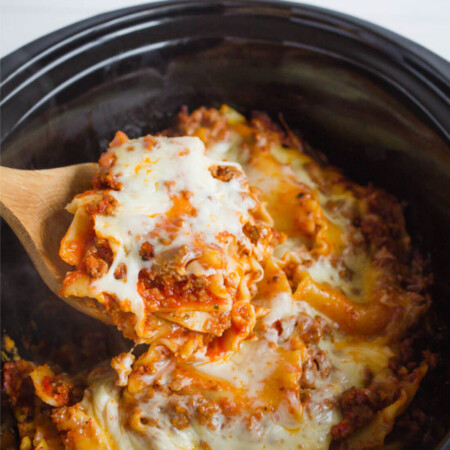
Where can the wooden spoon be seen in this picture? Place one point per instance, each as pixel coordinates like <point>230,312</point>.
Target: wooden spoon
<point>32,202</point>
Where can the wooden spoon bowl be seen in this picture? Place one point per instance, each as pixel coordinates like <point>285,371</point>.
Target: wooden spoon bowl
<point>32,203</point>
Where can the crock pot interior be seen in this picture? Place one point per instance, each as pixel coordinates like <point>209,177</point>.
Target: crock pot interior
<point>137,79</point>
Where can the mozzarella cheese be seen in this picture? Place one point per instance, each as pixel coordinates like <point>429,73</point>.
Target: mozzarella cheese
<point>169,197</point>
<point>247,374</point>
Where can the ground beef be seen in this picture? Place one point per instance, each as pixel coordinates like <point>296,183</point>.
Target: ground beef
<point>252,232</point>
<point>359,406</point>
<point>224,173</point>
<point>120,272</point>
<point>147,251</point>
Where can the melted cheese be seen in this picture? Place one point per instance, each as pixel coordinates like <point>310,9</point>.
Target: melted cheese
<point>356,286</point>
<point>245,373</point>
<point>151,178</point>
<point>102,403</point>
<point>250,369</point>
<point>248,373</point>
<point>352,360</point>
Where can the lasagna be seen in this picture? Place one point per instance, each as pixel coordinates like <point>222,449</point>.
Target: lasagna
<point>169,240</point>
<point>270,299</point>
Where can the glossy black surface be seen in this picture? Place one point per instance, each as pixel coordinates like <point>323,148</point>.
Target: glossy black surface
<point>373,102</point>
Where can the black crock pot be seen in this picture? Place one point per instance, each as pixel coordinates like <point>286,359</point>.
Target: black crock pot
<point>375,103</point>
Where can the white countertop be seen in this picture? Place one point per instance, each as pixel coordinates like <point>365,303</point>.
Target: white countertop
<point>423,21</point>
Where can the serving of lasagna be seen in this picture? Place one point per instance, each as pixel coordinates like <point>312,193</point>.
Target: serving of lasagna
<point>269,298</point>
